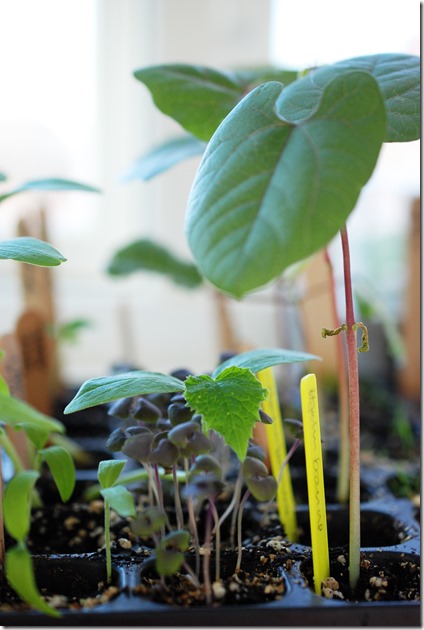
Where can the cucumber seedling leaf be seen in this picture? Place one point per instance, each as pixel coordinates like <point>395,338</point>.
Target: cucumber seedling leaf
<point>98,391</point>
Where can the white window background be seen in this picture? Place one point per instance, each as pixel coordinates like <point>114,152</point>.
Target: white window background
<point>70,107</point>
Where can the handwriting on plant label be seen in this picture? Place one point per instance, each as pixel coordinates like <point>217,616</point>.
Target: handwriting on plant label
<point>315,479</point>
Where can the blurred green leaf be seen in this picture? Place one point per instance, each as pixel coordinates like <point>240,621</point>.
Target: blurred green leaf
<point>146,255</point>
<point>398,77</point>
<point>120,500</point>
<point>53,184</point>
<point>262,358</point>
<point>163,157</point>
<point>17,503</point>
<point>19,414</point>
<point>109,471</point>
<point>62,468</point>
<point>30,250</point>
<point>20,575</point>
<point>198,97</point>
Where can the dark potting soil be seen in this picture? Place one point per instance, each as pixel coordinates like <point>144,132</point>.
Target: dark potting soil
<point>75,528</point>
<point>66,582</point>
<point>384,576</point>
<point>260,579</point>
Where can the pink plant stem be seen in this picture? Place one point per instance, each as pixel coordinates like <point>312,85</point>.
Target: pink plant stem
<point>343,471</point>
<point>354,421</point>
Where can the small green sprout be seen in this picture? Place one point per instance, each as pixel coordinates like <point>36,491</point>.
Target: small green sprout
<point>116,497</point>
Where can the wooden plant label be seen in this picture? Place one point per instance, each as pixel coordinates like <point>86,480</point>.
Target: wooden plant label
<point>11,365</point>
<point>36,280</point>
<point>37,286</point>
<point>33,341</point>
<point>315,480</point>
<point>11,368</point>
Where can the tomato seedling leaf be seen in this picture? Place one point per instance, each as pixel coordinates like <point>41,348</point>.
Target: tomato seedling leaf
<point>229,404</point>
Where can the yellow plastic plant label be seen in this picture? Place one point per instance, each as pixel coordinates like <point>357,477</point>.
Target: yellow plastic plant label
<point>277,453</point>
<point>315,479</point>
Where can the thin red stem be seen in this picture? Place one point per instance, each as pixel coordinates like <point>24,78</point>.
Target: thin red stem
<point>354,421</point>
<point>343,472</point>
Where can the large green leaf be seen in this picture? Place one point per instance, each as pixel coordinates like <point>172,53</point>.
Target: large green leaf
<point>120,500</point>
<point>62,468</point>
<point>257,360</point>
<point>30,250</point>
<point>52,184</point>
<point>17,504</point>
<point>146,255</point>
<point>98,391</point>
<point>397,75</point>
<point>199,98</point>
<point>269,193</point>
<point>164,156</point>
<point>20,575</point>
<point>229,404</point>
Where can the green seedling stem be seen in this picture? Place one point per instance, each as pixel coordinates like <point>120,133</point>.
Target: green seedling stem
<point>177,498</point>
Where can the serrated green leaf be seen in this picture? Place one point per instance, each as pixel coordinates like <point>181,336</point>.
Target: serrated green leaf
<point>262,358</point>
<point>120,500</point>
<point>146,255</point>
<point>109,471</point>
<point>19,414</point>
<point>30,250</point>
<point>398,78</point>
<point>163,157</point>
<point>20,575</point>
<point>17,503</point>
<point>62,468</point>
<point>229,404</point>
<point>98,391</point>
<point>53,184</point>
<point>268,193</point>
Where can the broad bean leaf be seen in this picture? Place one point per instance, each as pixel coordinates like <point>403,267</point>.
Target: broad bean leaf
<point>146,255</point>
<point>397,76</point>
<point>98,391</point>
<point>52,184</point>
<point>20,574</point>
<point>198,97</point>
<point>17,503</point>
<point>164,156</point>
<point>120,500</point>
<point>229,404</point>
<point>109,471</point>
<point>30,250</point>
<point>62,468</point>
<point>269,193</point>
<point>262,358</point>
